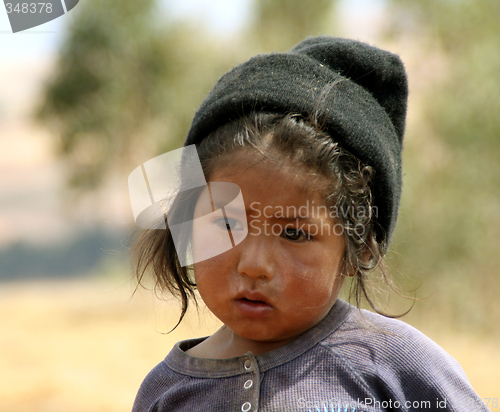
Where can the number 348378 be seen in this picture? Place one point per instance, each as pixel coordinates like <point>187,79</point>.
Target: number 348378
<point>29,8</point>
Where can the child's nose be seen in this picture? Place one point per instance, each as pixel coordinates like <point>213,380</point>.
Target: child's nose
<point>256,258</point>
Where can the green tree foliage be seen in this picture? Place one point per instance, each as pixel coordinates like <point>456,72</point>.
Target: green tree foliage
<point>125,87</point>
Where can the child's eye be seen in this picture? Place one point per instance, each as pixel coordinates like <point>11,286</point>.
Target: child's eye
<point>295,234</point>
<point>229,224</point>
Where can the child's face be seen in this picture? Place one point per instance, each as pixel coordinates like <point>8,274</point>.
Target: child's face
<point>276,283</point>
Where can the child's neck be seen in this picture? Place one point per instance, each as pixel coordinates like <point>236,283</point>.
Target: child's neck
<point>225,344</point>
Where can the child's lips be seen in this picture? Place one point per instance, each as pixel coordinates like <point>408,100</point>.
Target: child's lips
<point>253,305</point>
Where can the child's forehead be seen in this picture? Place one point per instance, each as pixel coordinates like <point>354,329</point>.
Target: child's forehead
<point>273,163</point>
<point>280,182</point>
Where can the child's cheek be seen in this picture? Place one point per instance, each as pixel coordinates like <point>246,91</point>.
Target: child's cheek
<point>214,272</point>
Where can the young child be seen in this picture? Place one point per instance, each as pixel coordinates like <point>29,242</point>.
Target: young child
<point>312,138</point>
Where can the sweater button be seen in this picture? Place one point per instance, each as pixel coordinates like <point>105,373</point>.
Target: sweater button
<point>248,384</point>
<point>248,364</point>
<point>246,406</point>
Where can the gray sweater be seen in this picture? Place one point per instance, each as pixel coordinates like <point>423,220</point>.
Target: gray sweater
<point>352,361</point>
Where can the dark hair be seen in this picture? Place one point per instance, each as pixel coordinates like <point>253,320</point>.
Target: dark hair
<point>280,139</point>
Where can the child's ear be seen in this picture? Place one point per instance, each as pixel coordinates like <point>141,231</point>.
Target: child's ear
<point>367,254</point>
<point>347,270</point>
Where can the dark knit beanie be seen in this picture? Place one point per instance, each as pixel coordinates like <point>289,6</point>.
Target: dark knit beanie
<point>358,92</point>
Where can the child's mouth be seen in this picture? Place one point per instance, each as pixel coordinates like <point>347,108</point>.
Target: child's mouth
<point>255,301</point>
<point>253,308</point>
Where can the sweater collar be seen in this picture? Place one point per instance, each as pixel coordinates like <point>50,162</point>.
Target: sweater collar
<point>181,362</point>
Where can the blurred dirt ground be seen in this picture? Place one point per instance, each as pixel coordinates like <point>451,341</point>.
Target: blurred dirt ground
<point>85,345</point>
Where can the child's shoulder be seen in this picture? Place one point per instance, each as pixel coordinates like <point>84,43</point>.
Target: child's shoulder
<point>376,344</point>
<point>153,386</point>
<point>375,329</point>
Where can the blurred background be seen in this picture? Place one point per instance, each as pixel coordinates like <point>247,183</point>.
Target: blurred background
<point>86,98</point>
